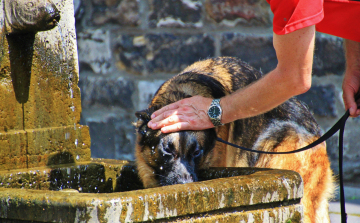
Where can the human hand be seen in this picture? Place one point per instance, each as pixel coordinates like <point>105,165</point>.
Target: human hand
<point>186,114</point>
<point>351,88</point>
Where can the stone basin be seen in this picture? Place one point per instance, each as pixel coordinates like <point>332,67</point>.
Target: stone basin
<point>110,191</point>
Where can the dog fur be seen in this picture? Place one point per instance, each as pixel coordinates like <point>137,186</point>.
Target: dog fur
<point>165,159</point>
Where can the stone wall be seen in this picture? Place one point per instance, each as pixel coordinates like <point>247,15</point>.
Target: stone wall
<point>127,48</point>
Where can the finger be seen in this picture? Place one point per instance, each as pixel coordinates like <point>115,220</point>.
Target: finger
<point>357,113</point>
<point>163,119</point>
<point>171,120</point>
<point>180,126</point>
<point>349,101</point>
<point>169,107</point>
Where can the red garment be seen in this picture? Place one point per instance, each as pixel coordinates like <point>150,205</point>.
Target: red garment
<point>336,17</point>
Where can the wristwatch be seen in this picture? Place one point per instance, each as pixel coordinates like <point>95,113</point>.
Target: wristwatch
<point>215,112</point>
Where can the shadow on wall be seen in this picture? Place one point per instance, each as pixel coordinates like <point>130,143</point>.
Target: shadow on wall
<point>60,158</point>
<point>21,48</point>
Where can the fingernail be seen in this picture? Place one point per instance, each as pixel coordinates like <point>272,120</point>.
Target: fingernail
<point>153,116</point>
<point>152,125</point>
<point>352,111</point>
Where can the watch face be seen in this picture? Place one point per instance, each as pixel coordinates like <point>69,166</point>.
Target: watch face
<point>214,111</point>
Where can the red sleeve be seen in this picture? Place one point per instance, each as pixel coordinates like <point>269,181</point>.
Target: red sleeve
<point>342,18</point>
<point>291,15</point>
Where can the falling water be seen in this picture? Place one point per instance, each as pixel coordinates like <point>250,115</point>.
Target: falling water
<point>63,55</point>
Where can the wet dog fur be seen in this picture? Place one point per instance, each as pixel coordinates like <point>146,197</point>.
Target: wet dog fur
<point>166,159</point>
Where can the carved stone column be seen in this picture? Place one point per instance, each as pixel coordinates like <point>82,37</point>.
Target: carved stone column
<point>39,98</point>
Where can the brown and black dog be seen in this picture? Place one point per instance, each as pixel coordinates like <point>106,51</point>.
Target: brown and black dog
<point>166,159</point>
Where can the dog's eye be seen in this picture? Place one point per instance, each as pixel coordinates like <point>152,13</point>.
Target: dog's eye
<point>168,150</point>
<point>197,153</point>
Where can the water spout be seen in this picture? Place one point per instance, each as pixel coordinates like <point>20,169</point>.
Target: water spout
<point>30,16</point>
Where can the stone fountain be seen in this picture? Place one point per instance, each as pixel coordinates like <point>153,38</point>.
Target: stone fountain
<point>46,173</point>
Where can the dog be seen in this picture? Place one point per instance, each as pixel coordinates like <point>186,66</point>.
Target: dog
<point>174,158</point>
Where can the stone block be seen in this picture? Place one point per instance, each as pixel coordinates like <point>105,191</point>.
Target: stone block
<point>351,153</point>
<point>55,101</point>
<point>164,52</point>
<point>112,137</point>
<point>94,50</point>
<point>39,83</point>
<point>321,100</point>
<point>257,50</point>
<point>246,12</point>
<point>147,90</point>
<point>11,112</point>
<point>44,146</point>
<point>119,12</point>
<point>176,13</point>
<point>61,145</point>
<point>106,91</point>
<point>329,56</point>
<point>13,150</point>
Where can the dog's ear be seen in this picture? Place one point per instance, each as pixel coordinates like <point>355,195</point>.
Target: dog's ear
<point>143,116</point>
<point>148,136</point>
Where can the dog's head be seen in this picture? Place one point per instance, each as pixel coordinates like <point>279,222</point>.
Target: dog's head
<point>173,158</point>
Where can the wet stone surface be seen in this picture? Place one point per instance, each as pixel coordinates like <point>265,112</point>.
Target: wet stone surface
<point>89,177</point>
<point>244,193</point>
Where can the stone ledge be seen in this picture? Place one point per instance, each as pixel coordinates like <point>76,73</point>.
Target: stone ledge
<point>44,146</point>
<point>233,197</point>
<point>292,213</point>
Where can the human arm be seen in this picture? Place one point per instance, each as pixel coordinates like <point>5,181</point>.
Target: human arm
<point>291,77</point>
<point>351,83</point>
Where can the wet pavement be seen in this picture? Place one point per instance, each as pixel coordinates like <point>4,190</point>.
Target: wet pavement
<point>352,206</point>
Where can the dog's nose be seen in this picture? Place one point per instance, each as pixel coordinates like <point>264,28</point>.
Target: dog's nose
<point>186,178</point>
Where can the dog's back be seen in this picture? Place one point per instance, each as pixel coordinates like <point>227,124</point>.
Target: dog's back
<point>288,127</point>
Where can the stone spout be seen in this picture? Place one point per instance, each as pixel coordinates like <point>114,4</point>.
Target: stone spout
<point>30,16</point>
